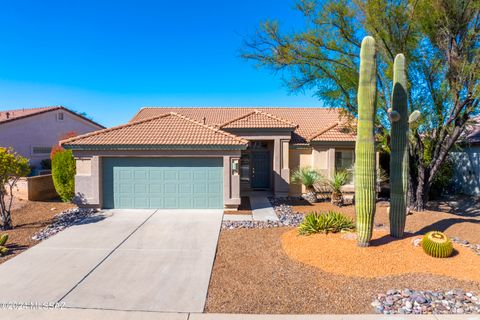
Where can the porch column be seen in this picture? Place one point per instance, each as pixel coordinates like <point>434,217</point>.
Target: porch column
<point>231,167</point>
<point>281,167</point>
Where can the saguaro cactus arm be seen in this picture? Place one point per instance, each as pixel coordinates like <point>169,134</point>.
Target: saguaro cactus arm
<point>365,171</point>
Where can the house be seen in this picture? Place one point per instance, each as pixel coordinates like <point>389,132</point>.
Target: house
<point>206,157</point>
<point>33,132</point>
<point>466,157</point>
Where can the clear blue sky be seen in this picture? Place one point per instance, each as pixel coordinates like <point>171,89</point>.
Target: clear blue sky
<point>109,58</point>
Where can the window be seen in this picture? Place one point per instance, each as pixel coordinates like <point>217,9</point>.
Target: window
<point>60,116</point>
<point>41,150</point>
<point>344,161</point>
<point>245,167</point>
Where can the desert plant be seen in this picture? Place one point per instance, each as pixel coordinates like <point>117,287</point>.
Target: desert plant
<point>12,168</point>
<point>339,179</point>
<point>399,149</point>
<point>437,244</point>
<point>3,241</point>
<point>63,174</point>
<point>324,223</point>
<point>365,173</point>
<point>307,176</point>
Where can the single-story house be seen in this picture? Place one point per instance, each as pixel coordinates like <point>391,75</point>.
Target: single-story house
<point>206,157</point>
<point>33,132</point>
<point>466,158</point>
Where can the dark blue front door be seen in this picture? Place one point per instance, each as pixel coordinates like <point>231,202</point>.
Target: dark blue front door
<point>260,169</point>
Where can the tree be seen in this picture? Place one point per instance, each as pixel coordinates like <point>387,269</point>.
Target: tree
<point>440,40</point>
<point>12,168</point>
<point>63,174</point>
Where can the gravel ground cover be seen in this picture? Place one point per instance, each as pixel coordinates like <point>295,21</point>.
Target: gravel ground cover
<point>29,218</point>
<point>252,274</point>
<point>408,301</point>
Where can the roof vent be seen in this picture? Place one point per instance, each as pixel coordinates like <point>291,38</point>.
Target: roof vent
<point>7,115</point>
<point>204,120</point>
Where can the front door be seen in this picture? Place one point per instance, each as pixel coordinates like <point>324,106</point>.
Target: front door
<point>260,169</point>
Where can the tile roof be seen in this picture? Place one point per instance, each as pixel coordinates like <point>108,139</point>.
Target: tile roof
<point>257,119</point>
<point>168,129</point>
<point>309,121</point>
<point>334,132</point>
<point>16,114</point>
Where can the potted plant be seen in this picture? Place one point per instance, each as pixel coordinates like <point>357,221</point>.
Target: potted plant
<point>339,179</point>
<point>308,177</point>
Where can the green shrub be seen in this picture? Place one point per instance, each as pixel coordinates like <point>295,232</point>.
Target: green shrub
<point>437,244</point>
<point>63,173</point>
<point>330,221</point>
<point>307,176</point>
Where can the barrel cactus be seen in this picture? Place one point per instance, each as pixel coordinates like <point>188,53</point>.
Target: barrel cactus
<point>399,149</point>
<point>3,241</point>
<point>437,244</point>
<point>365,171</point>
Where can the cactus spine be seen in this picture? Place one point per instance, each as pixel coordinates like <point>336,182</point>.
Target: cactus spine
<point>399,150</point>
<point>365,171</point>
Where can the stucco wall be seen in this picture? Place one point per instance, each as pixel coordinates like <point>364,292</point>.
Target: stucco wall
<point>467,170</point>
<point>38,188</point>
<point>43,130</point>
<point>88,181</point>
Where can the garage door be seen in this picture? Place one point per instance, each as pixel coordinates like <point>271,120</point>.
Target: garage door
<point>169,183</point>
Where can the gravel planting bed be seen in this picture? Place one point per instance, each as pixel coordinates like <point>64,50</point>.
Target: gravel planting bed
<point>426,302</point>
<point>285,214</point>
<point>62,221</point>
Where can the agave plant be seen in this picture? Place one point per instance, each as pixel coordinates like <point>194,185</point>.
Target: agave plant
<point>325,223</point>
<point>308,177</point>
<point>339,179</point>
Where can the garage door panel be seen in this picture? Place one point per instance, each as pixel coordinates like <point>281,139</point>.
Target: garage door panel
<point>163,183</point>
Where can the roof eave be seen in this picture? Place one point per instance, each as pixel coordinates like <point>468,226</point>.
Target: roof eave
<point>153,147</point>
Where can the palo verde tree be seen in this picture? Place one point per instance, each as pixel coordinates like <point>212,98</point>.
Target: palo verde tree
<point>440,40</point>
<point>12,168</point>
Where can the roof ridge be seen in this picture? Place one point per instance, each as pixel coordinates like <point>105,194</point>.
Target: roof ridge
<point>236,119</point>
<point>32,109</point>
<point>276,118</point>
<point>322,131</point>
<point>210,127</point>
<point>125,125</point>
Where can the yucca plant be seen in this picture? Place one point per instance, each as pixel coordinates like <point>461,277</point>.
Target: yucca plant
<point>330,221</point>
<point>339,179</point>
<point>308,177</point>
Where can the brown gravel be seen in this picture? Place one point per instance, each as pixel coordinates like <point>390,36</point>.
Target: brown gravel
<point>386,256</point>
<point>27,219</point>
<point>258,277</point>
<point>454,225</point>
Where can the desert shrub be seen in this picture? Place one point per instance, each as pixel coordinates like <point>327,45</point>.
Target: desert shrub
<point>437,244</point>
<point>3,241</point>
<point>63,173</point>
<point>330,221</point>
<point>307,176</point>
<point>442,179</point>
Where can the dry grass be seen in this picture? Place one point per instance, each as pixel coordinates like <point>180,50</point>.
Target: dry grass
<point>386,256</point>
<point>28,218</point>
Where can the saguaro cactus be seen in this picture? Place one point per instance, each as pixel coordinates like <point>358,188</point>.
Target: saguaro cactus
<point>365,171</point>
<point>399,149</point>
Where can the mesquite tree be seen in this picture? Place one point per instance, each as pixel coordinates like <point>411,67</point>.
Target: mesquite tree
<point>440,40</point>
<point>12,168</point>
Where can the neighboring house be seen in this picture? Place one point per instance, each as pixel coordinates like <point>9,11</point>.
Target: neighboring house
<point>33,132</point>
<point>466,177</point>
<point>206,157</point>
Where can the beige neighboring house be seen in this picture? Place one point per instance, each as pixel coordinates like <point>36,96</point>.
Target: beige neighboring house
<point>207,157</point>
<point>33,132</point>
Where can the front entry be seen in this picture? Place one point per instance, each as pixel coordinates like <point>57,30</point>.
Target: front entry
<point>260,162</point>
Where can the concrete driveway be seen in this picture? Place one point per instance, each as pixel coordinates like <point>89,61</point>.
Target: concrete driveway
<point>143,260</point>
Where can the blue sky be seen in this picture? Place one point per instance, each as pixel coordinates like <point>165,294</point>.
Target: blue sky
<point>109,58</point>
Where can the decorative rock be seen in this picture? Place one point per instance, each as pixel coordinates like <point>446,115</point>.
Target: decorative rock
<point>427,302</point>
<point>62,221</point>
<point>417,242</point>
